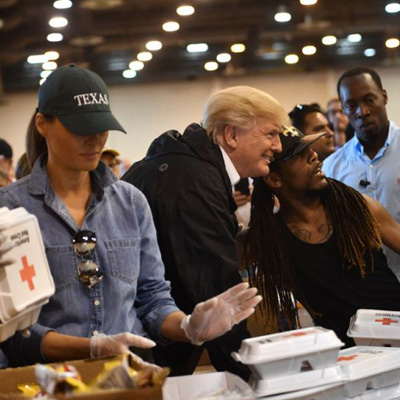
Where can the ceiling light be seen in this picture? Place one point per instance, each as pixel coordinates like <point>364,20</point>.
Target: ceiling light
<point>153,45</point>
<point>354,38</point>
<point>292,59</point>
<point>185,10</point>
<point>238,48</point>
<point>58,22</point>
<point>170,26</point>
<point>129,73</point>
<point>62,4</point>
<point>49,65</point>
<point>36,59</point>
<point>392,8</point>
<point>136,65</point>
<point>197,47</point>
<point>392,43</point>
<point>211,66</point>
<point>144,56</point>
<point>45,74</point>
<point>308,2</point>
<point>369,52</point>
<point>42,81</point>
<point>52,55</point>
<point>329,40</point>
<point>309,50</point>
<point>55,37</point>
<point>224,57</point>
<point>282,15</point>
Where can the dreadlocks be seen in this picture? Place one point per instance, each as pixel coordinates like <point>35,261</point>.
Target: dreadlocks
<point>267,256</point>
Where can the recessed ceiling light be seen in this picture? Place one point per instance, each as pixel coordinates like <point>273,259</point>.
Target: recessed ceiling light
<point>144,56</point>
<point>58,22</point>
<point>197,47</point>
<point>354,38</point>
<point>185,10</point>
<point>170,26</point>
<point>55,37</point>
<point>45,74</point>
<point>308,2</point>
<point>392,8</point>
<point>392,43</point>
<point>238,48</point>
<point>224,57</point>
<point>62,4</point>
<point>282,16</point>
<point>36,59</point>
<point>309,50</point>
<point>52,55</point>
<point>369,52</point>
<point>49,65</point>
<point>129,74</point>
<point>136,65</point>
<point>292,59</point>
<point>211,66</point>
<point>153,45</point>
<point>329,40</point>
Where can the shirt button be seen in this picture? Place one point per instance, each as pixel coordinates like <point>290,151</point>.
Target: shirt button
<point>96,302</point>
<point>95,333</point>
<point>371,166</point>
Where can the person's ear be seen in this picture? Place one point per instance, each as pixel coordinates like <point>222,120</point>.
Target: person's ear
<point>273,180</point>
<point>385,96</point>
<point>230,135</point>
<point>41,124</point>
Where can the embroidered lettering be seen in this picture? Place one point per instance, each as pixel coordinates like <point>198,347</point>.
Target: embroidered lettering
<point>85,99</point>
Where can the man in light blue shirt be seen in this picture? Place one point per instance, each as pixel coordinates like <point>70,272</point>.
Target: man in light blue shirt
<point>369,162</point>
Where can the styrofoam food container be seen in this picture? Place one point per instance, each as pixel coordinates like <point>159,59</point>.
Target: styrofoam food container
<point>325,392</point>
<point>295,382</point>
<point>386,393</point>
<point>367,367</point>
<point>375,328</point>
<point>28,280</point>
<point>285,353</point>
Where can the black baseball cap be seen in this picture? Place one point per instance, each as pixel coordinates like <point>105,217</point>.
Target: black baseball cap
<point>5,149</point>
<point>293,143</point>
<point>79,98</point>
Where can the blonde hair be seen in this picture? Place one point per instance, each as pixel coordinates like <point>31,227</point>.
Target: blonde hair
<point>242,106</point>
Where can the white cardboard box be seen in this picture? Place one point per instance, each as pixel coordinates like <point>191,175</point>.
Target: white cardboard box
<point>208,386</point>
<point>375,328</point>
<point>386,393</point>
<point>285,353</point>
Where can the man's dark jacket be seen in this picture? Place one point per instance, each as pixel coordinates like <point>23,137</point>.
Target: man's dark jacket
<point>190,195</point>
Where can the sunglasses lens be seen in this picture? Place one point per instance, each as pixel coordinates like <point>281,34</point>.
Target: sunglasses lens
<point>84,242</point>
<point>89,273</point>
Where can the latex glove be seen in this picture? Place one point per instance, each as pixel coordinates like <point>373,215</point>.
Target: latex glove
<point>5,246</point>
<point>217,315</point>
<point>105,345</point>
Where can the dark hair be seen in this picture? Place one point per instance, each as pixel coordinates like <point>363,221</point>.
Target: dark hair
<point>35,143</point>
<point>359,71</point>
<point>356,232</point>
<point>299,113</point>
<point>22,169</point>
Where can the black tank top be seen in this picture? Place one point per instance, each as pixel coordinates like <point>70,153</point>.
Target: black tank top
<point>335,291</point>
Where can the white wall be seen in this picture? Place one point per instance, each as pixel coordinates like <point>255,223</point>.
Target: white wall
<point>147,110</point>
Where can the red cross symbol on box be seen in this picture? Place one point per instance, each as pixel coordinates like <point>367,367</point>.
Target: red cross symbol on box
<point>387,321</point>
<point>27,273</point>
<point>347,358</point>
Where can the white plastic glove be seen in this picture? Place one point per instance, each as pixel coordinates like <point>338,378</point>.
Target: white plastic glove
<point>217,315</point>
<point>5,246</point>
<point>106,345</point>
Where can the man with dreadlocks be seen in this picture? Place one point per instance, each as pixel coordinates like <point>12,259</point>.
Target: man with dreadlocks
<point>324,245</point>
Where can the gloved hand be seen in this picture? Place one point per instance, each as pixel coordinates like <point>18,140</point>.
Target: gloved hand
<point>217,315</point>
<point>5,246</point>
<point>105,345</point>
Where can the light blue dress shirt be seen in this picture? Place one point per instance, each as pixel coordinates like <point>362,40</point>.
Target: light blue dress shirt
<point>351,165</point>
<point>133,295</point>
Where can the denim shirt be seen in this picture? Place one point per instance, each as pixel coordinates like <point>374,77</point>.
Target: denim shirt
<point>133,295</point>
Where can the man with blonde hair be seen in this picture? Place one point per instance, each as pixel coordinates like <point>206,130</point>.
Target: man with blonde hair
<point>187,179</point>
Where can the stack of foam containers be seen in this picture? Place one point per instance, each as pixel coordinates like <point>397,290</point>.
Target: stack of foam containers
<point>25,285</point>
<point>300,364</point>
<point>375,328</point>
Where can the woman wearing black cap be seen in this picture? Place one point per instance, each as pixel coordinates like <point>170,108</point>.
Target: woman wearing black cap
<point>99,238</point>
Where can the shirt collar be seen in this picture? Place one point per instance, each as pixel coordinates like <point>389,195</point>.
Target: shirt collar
<point>234,176</point>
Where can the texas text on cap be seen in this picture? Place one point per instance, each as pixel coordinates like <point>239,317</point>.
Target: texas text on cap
<point>79,99</point>
<point>294,142</point>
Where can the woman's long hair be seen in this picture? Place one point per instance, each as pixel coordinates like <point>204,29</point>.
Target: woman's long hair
<point>265,250</point>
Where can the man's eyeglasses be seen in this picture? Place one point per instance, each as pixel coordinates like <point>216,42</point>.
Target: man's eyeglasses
<point>89,272</point>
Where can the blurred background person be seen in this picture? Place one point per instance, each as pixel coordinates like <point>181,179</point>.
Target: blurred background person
<point>340,124</point>
<point>6,162</point>
<point>110,158</point>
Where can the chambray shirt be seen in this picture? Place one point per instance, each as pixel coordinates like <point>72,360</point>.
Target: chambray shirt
<point>133,295</point>
<point>350,165</point>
